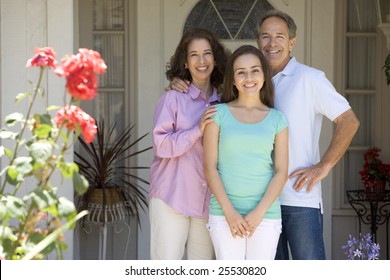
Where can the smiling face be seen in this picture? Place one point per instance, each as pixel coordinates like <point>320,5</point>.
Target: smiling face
<point>248,74</point>
<point>200,61</point>
<point>275,44</point>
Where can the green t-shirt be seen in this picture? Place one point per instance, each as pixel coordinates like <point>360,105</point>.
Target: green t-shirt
<point>245,161</point>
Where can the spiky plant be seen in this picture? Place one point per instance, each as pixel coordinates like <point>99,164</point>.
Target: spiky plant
<point>105,165</point>
<point>386,69</point>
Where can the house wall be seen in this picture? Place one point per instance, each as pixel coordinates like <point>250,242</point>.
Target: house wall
<point>150,84</point>
<point>320,54</point>
<point>26,24</point>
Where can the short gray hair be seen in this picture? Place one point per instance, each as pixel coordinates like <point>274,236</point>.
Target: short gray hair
<point>292,28</point>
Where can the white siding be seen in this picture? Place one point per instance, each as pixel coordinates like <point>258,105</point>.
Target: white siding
<point>26,24</point>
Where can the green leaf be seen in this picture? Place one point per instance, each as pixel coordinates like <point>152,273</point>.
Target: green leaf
<point>41,151</point>
<point>80,183</point>
<point>43,131</point>
<point>12,175</point>
<point>66,208</point>
<point>8,246</point>
<point>19,251</point>
<point>51,209</point>
<point>68,169</point>
<point>13,118</point>
<point>53,107</point>
<point>43,199</point>
<point>6,233</point>
<point>15,206</point>
<point>6,134</point>
<point>43,125</point>
<point>8,152</point>
<point>23,165</point>
<point>43,119</point>
<point>3,211</point>
<point>21,96</point>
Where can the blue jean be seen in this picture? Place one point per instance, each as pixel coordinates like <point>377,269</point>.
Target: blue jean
<point>302,231</point>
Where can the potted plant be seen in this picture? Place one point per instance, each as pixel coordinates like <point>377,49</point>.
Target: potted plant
<point>114,191</point>
<point>386,69</point>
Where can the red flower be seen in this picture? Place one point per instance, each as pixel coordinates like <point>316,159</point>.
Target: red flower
<point>72,117</point>
<point>91,58</point>
<point>374,169</point>
<point>82,85</point>
<point>80,72</point>
<point>43,57</point>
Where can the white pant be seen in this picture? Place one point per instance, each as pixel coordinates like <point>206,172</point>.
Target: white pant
<point>171,233</point>
<point>261,246</point>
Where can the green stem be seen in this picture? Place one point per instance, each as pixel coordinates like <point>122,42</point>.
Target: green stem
<point>60,156</point>
<point>20,231</point>
<point>17,188</point>
<point>19,137</point>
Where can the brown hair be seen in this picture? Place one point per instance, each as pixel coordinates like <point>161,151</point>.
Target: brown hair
<point>292,28</point>
<point>179,58</point>
<point>230,92</point>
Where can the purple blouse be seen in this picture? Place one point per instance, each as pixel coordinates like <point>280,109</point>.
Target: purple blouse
<point>177,175</point>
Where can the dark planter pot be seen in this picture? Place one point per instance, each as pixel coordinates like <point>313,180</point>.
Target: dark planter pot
<point>375,190</point>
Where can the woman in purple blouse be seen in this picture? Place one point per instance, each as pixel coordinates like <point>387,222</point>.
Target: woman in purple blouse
<point>179,196</point>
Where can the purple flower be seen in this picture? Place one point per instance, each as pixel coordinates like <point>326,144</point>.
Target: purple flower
<point>361,249</point>
<point>357,253</point>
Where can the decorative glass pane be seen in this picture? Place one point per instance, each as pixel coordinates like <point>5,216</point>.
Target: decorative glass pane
<point>363,16</point>
<point>362,105</point>
<point>111,48</point>
<point>353,163</point>
<point>110,107</point>
<point>384,15</point>
<point>361,51</point>
<point>108,15</point>
<point>230,19</point>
